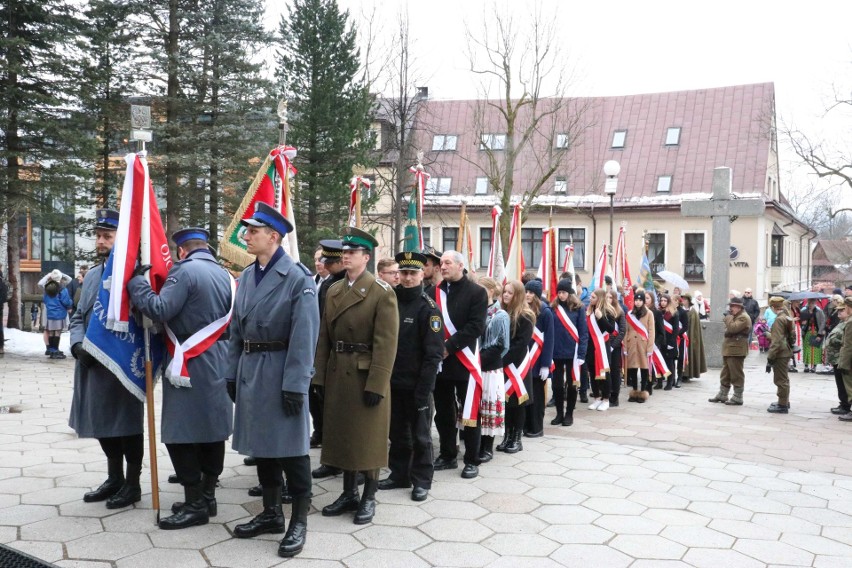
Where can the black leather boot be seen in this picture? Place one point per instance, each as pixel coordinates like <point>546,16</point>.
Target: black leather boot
<point>367,506</point>
<point>486,449</point>
<point>113,483</point>
<point>507,439</point>
<point>286,498</point>
<point>208,488</point>
<point>270,520</point>
<point>130,492</point>
<point>515,443</point>
<point>294,540</point>
<point>669,383</point>
<point>193,512</point>
<point>348,500</point>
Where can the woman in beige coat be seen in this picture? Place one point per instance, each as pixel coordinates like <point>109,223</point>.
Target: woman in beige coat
<point>638,347</point>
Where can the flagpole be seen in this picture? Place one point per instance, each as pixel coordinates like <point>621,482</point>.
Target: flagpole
<point>145,258</point>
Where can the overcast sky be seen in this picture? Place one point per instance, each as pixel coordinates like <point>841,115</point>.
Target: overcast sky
<point>627,46</point>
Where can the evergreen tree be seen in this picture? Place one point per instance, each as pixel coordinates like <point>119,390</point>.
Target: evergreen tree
<point>36,101</point>
<point>330,116</point>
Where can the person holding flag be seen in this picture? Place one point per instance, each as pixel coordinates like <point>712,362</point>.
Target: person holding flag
<point>195,304</point>
<point>101,406</point>
<point>570,341</point>
<point>639,347</point>
<point>273,336</point>
<point>616,340</point>
<point>600,319</point>
<point>458,388</point>
<point>668,322</point>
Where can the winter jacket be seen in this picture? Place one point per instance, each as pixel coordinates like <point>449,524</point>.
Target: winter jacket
<point>563,343</point>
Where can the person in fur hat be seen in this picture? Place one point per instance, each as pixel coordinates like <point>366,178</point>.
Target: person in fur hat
<point>638,347</point>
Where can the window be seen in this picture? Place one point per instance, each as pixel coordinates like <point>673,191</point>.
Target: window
<point>693,256</point>
<point>481,186</point>
<point>376,133</point>
<point>664,184</point>
<point>560,185</point>
<point>444,142</point>
<point>657,252</point>
<point>673,136</point>
<point>484,247</point>
<point>531,247</point>
<point>562,141</point>
<point>427,236</point>
<point>578,237</point>
<point>439,185</point>
<point>450,238</point>
<point>619,138</point>
<point>777,254</point>
<point>492,142</point>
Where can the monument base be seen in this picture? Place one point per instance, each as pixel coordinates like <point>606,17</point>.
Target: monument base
<point>714,333</point>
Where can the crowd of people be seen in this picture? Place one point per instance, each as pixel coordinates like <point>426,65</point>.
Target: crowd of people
<point>359,365</point>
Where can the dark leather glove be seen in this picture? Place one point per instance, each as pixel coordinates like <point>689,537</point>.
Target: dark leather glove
<point>768,367</point>
<point>372,399</point>
<point>84,357</point>
<point>319,391</point>
<point>292,402</point>
<point>232,390</point>
<point>141,270</point>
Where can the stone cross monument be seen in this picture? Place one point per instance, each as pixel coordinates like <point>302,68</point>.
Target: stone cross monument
<point>723,210</point>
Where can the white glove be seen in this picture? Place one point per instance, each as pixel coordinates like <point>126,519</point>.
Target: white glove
<point>580,361</point>
<point>545,372</point>
<point>650,353</point>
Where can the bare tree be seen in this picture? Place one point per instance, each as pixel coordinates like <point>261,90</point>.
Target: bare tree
<point>532,119</point>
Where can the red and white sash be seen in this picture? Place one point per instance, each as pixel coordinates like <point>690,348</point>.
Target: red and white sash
<point>667,326</point>
<point>685,348</point>
<point>468,358</point>
<point>569,326</point>
<point>196,344</point>
<point>537,347</point>
<point>599,339</point>
<point>515,383</point>
<point>637,325</point>
<point>660,363</point>
<point>798,355</point>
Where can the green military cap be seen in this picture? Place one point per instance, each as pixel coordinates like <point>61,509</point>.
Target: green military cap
<point>776,301</point>
<point>847,301</point>
<point>410,260</point>
<point>357,239</point>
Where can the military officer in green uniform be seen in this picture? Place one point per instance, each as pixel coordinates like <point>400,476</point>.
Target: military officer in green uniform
<point>734,352</point>
<point>844,359</point>
<point>355,356</point>
<point>782,338</point>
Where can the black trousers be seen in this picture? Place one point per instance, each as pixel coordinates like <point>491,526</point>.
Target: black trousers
<point>671,362</point>
<point>449,397</point>
<point>410,455</point>
<point>534,422</point>
<point>564,391</point>
<point>680,357</point>
<point>842,395</point>
<point>315,405</point>
<point>296,468</point>
<point>600,387</point>
<point>191,460</point>
<point>615,373</point>
<point>131,448</point>
<point>633,380</point>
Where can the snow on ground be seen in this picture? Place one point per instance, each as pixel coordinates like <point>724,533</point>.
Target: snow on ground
<point>31,343</point>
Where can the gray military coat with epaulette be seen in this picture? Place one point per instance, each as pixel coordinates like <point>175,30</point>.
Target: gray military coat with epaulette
<point>101,407</point>
<point>282,307</point>
<point>196,293</point>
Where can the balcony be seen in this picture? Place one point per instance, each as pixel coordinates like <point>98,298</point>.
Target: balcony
<point>693,272</point>
<point>657,267</point>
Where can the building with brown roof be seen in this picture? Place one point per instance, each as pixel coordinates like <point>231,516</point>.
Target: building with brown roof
<point>667,144</point>
<point>832,261</point>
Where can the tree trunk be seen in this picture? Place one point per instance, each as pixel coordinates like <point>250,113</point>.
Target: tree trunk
<point>213,192</point>
<point>172,167</point>
<point>13,249</point>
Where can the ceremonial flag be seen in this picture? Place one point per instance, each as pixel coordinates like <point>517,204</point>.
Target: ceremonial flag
<point>271,185</point>
<point>622,270</point>
<point>411,236</point>
<point>600,270</point>
<point>113,336</point>
<point>549,262</point>
<point>421,178</point>
<point>496,267</point>
<point>354,197</point>
<point>645,280</point>
<point>466,241</point>
<point>568,266</point>
<point>515,262</point>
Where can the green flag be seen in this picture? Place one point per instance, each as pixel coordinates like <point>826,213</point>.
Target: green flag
<point>411,239</point>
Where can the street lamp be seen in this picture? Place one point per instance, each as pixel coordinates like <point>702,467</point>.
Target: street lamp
<point>611,170</point>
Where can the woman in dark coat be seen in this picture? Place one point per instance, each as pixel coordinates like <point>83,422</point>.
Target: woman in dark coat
<point>616,353</point>
<point>522,321</point>
<point>669,321</point>
<point>568,310</point>
<point>602,313</point>
<point>540,370</point>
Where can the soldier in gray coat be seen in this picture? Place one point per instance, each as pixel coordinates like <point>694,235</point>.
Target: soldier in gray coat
<point>197,413</point>
<point>270,364</point>
<point>101,407</point>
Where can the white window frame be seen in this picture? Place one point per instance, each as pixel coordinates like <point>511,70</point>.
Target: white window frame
<point>492,141</point>
<point>666,250</point>
<point>560,245</point>
<point>439,186</point>
<point>563,141</point>
<point>615,138</point>
<point>444,142</point>
<point>428,229</point>
<point>481,186</point>
<point>560,185</point>
<point>683,251</point>
<point>673,136</point>
<point>665,181</point>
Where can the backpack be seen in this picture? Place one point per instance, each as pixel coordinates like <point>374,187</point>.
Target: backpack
<point>4,285</point>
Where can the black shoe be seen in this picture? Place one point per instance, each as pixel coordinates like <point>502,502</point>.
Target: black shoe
<point>390,483</point>
<point>445,463</point>
<point>348,501</point>
<point>286,498</point>
<point>515,444</point>
<point>126,496</point>
<point>316,441</point>
<point>419,494</point>
<point>294,540</point>
<point>250,461</point>
<point>113,483</point>
<point>776,408</point>
<point>256,491</point>
<point>58,355</point>
<point>538,434</point>
<point>173,478</point>
<point>325,471</point>
<point>208,490</point>
<point>270,520</point>
<point>613,403</point>
<point>501,447</point>
<point>569,420</point>
<point>583,397</point>
<point>558,420</point>
<point>470,471</point>
<point>367,507</point>
<point>845,417</point>
<point>48,352</point>
<point>840,410</point>
<point>194,511</point>
<point>792,370</point>
<point>485,456</point>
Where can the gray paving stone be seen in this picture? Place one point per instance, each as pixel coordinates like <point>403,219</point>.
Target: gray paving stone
<point>647,546</point>
<point>822,516</point>
<point>659,500</point>
<point>554,481</point>
<point>193,537</point>
<point>49,551</point>
<point>107,546</point>
<point>523,562</point>
<point>18,515</point>
<point>565,514</point>
<point>503,503</point>
<point>457,554</point>
<point>248,553</point>
<point>453,509</point>
<point>82,564</point>
<point>393,538</point>
<point>629,524</point>
<point>586,555</point>
<point>556,496</point>
<point>674,517</point>
<point>714,558</point>
<point>63,529</point>
<point>382,559</point>
<point>698,537</point>
<point>796,499</point>
<point>608,506</point>
<point>163,558</point>
<point>601,490</point>
<point>513,523</point>
<point>456,530</point>
<point>494,485</point>
<point>397,515</point>
<point>774,552</point>
<point>817,544</point>
<point>8,534</point>
<point>52,470</point>
<point>720,511</point>
<point>52,496</point>
<point>521,545</point>
<point>577,534</point>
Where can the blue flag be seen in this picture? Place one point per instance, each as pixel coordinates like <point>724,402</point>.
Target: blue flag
<point>646,281</point>
<point>123,353</point>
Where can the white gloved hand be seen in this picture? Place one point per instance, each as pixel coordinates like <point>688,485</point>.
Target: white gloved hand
<point>580,361</point>
<point>545,372</point>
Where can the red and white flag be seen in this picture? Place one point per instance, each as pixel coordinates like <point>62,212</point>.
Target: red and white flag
<point>549,263</point>
<point>496,267</point>
<point>622,269</point>
<point>515,261</point>
<point>568,266</point>
<point>355,185</point>
<point>601,268</point>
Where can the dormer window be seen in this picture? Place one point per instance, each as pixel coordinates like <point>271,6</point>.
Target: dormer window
<point>619,138</point>
<point>673,136</point>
